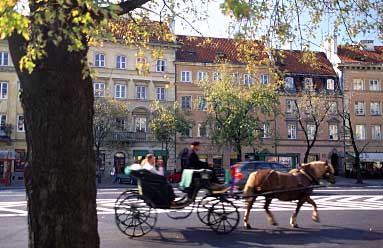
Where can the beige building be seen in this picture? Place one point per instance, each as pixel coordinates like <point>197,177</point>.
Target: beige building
<point>12,135</point>
<point>360,69</point>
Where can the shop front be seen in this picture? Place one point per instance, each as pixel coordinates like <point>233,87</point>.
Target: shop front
<point>371,165</point>
<point>7,159</point>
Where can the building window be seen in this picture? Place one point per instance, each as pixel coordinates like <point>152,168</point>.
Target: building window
<point>359,108</point>
<point>375,108</point>
<point>121,62</point>
<point>310,131</point>
<point>3,58</point>
<point>141,92</point>
<point>332,107</point>
<point>3,121</point>
<point>99,89</point>
<point>202,130</point>
<point>185,76</point>
<point>358,84</point>
<point>20,123</point>
<point>308,84</point>
<point>120,124</point>
<point>216,76</point>
<point>289,83</point>
<point>120,91</point>
<point>202,75</point>
<point>4,90</point>
<point>330,84</point>
<point>186,102</point>
<point>19,91</point>
<point>266,130</point>
<point>140,124</point>
<point>160,93</point>
<point>264,79</point>
<point>333,131</point>
<point>291,131</point>
<point>161,65</point>
<point>375,85</point>
<point>201,103</point>
<point>236,77</point>
<point>360,132</point>
<point>376,132</point>
<point>247,79</point>
<point>187,133</point>
<point>291,106</point>
<point>99,60</point>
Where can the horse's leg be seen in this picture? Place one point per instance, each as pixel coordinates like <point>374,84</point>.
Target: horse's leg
<point>250,202</point>
<point>315,215</point>
<point>270,216</point>
<point>293,219</point>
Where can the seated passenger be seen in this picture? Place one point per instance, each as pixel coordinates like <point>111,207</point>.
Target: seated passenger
<point>149,164</point>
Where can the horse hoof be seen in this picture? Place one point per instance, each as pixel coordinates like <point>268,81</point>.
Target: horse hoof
<point>316,219</point>
<point>274,223</point>
<point>247,226</point>
<point>294,225</point>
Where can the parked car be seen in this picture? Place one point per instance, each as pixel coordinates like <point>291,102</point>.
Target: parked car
<point>126,179</point>
<point>220,174</point>
<point>244,169</point>
<point>175,177</point>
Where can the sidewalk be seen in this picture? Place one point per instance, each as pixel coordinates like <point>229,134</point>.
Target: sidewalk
<point>107,183</point>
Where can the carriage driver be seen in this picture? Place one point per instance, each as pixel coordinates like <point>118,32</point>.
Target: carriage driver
<point>193,162</point>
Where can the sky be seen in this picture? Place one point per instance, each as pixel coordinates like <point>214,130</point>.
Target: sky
<point>217,26</point>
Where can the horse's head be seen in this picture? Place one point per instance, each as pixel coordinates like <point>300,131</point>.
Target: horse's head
<point>319,170</point>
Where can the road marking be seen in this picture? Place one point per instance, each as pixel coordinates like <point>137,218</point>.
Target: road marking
<point>325,203</point>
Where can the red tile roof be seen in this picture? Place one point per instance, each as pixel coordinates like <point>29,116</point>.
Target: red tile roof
<point>293,61</point>
<point>353,54</point>
<point>206,50</point>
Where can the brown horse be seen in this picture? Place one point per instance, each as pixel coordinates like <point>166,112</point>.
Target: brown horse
<point>270,180</point>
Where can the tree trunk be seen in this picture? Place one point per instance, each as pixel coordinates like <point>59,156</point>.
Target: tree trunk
<point>359,179</point>
<point>60,176</point>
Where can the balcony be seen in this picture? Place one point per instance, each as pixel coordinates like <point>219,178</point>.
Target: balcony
<point>130,137</point>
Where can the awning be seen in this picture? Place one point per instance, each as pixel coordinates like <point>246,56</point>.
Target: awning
<point>140,152</point>
<point>159,153</point>
<point>371,157</point>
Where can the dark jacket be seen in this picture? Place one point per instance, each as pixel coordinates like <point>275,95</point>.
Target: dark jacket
<point>193,161</point>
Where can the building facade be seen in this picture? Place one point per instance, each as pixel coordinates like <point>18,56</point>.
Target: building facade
<point>360,70</point>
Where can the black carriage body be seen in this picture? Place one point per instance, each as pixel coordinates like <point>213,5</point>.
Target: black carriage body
<point>154,187</point>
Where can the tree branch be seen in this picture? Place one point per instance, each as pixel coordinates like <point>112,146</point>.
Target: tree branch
<point>130,5</point>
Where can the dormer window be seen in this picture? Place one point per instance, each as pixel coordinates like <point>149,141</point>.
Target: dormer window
<point>289,83</point>
<point>220,55</point>
<point>330,84</point>
<point>308,84</point>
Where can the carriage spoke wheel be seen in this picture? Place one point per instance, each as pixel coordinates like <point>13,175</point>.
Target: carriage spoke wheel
<point>134,215</point>
<point>223,216</point>
<point>203,208</point>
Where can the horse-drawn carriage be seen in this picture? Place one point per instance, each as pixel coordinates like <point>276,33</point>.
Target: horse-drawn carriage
<point>135,210</point>
<point>136,215</point>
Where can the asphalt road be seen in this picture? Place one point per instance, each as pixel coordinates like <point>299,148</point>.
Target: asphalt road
<point>350,217</point>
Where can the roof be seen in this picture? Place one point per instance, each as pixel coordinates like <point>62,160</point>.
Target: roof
<point>140,30</point>
<point>210,49</point>
<point>353,54</point>
<point>294,62</point>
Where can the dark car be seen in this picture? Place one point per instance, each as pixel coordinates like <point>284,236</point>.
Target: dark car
<point>124,178</point>
<point>244,169</point>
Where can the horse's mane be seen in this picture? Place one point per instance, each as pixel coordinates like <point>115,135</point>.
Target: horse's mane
<point>319,162</point>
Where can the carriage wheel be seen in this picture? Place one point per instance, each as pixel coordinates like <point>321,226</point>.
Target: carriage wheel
<point>203,208</point>
<point>223,216</point>
<point>134,215</point>
<point>123,196</point>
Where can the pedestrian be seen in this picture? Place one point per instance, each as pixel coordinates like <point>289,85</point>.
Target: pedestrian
<point>113,174</point>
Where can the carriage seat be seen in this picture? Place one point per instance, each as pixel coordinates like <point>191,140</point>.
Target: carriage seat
<point>194,179</point>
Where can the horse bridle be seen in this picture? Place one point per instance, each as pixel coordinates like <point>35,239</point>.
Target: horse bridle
<point>309,176</point>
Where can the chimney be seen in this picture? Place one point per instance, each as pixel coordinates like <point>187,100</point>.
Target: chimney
<point>288,45</point>
<point>368,45</point>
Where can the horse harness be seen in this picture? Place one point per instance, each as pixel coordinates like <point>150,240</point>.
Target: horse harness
<point>310,177</point>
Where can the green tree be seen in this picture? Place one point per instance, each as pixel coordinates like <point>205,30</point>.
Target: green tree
<point>49,42</point>
<point>234,110</point>
<point>108,115</point>
<point>166,122</point>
